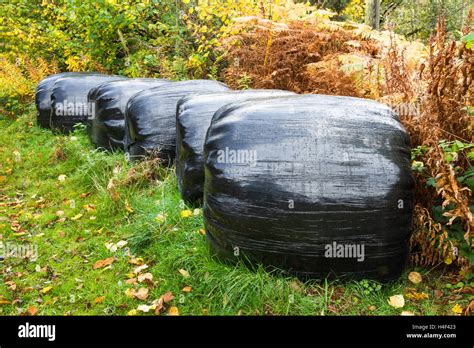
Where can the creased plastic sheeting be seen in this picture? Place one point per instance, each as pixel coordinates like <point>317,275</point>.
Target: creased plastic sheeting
<point>151,118</point>
<point>107,128</point>
<point>314,174</point>
<point>43,96</point>
<point>194,114</point>
<point>69,101</point>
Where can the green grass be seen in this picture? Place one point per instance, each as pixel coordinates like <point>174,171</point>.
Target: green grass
<point>32,197</point>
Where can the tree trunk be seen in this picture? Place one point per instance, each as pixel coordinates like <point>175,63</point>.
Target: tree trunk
<point>372,13</point>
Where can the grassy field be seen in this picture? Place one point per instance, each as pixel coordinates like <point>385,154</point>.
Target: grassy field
<point>79,207</point>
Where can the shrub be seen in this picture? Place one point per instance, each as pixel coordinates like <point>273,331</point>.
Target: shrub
<point>442,134</point>
<point>18,81</point>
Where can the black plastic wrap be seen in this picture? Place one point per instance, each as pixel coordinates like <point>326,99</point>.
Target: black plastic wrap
<point>107,127</point>
<point>151,118</point>
<point>69,101</point>
<point>43,96</point>
<point>322,186</point>
<point>194,114</point>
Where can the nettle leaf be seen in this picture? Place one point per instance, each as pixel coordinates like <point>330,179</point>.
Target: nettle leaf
<point>448,157</point>
<point>456,232</point>
<point>470,183</point>
<point>438,214</point>
<point>468,39</point>
<point>465,250</point>
<point>459,145</point>
<point>467,178</point>
<point>431,182</point>
<point>468,173</point>
<point>417,166</point>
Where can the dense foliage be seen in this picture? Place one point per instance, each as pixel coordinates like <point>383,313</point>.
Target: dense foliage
<point>411,18</point>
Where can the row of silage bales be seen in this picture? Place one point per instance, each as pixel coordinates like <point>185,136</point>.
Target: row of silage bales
<point>69,103</point>
<point>43,96</point>
<point>107,128</point>
<point>284,178</point>
<point>151,118</point>
<point>193,117</point>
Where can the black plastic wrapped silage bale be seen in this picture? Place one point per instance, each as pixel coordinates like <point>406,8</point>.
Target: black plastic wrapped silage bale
<point>69,101</point>
<point>314,185</point>
<point>194,114</point>
<point>43,96</point>
<point>151,118</point>
<point>107,127</point>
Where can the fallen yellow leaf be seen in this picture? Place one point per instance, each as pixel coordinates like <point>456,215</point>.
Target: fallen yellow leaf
<point>140,268</point>
<point>173,311</point>
<point>76,217</point>
<point>457,309</point>
<point>415,277</point>
<point>184,273</point>
<point>448,260</point>
<point>396,301</point>
<point>111,247</point>
<point>146,308</point>
<point>129,292</point>
<point>103,263</point>
<point>131,281</point>
<point>141,293</point>
<point>32,310</point>
<point>418,296</point>
<point>132,312</point>
<point>89,207</point>
<point>46,289</point>
<point>160,218</point>
<point>146,278</point>
<point>186,213</point>
<point>11,285</point>
<point>128,207</point>
<point>187,289</point>
<point>167,297</point>
<point>407,313</point>
<point>99,299</point>
<point>138,261</point>
<point>121,243</point>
